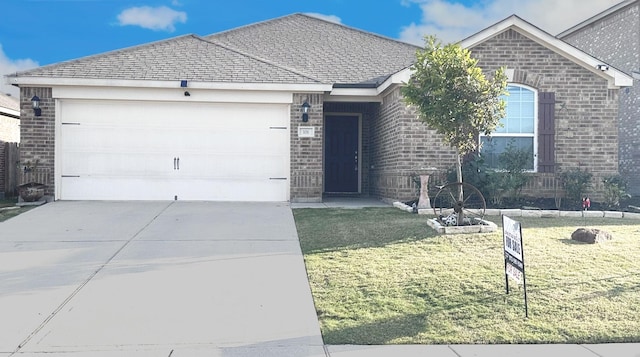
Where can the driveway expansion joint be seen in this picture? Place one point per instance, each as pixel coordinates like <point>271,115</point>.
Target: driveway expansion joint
<point>86,281</point>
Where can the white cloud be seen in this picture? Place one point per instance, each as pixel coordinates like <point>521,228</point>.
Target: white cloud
<point>452,22</point>
<point>330,18</point>
<point>9,66</point>
<point>159,18</point>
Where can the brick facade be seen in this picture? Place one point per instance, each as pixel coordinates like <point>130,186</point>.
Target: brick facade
<point>38,136</point>
<point>401,146</point>
<point>586,112</point>
<point>306,153</point>
<point>616,40</point>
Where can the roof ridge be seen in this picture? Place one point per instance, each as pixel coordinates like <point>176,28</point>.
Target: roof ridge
<point>357,30</point>
<point>307,15</point>
<point>102,54</point>
<point>263,60</point>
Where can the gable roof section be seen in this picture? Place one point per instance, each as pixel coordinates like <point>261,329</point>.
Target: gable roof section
<point>331,52</point>
<point>615,77</point>
<point>597,17</point>
<point>186,57</point>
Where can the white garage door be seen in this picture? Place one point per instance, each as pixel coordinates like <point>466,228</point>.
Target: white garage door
<point>161,151</point>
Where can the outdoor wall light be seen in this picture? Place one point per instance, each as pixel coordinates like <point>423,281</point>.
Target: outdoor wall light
<point>305,111</point>
<point>187,94</point>
<point>602,67</point>
<point>35,103</point>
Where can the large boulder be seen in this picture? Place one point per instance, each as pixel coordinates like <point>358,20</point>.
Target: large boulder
<point>591,235</point>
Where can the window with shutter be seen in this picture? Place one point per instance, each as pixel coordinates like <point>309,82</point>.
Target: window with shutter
<point>518,128</point>
<point>546,132</point>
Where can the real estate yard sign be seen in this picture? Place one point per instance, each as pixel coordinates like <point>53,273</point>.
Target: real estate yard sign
<point>514,256</point>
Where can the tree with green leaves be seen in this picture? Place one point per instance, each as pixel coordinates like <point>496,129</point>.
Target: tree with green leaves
<point>453,96</point>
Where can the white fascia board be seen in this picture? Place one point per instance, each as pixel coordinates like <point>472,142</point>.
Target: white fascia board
<point>172,94</point>
<point>353,95</point>
<point>399,78</point>
<point>354,92</point>
<point>8,111</point>
<point>615,77</point>
<point>370,94</point>
<point>50,82</point>
<point>330,97</point>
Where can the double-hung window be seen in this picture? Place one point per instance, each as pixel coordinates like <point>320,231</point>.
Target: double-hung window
<point>518,128</point>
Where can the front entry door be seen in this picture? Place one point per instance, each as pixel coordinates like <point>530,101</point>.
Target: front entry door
<point>341,154</point>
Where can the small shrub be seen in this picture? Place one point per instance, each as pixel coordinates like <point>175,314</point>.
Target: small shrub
<point>576,183</point>
<point>496,185</point>
<point>514,163</point>
<point>615,190</point>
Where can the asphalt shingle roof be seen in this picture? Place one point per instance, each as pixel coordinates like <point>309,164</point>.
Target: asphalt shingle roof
<point>295,49</point>
<point>185,57</point>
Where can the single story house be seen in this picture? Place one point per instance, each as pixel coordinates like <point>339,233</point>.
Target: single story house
<point>614,36</point>
<point>294,109</point>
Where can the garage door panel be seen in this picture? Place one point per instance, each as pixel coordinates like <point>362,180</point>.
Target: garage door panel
<point>110,188</point>
<point>116,164</point>
<point>239,166</point>
<point>234,190</point>
<point>224,150</point>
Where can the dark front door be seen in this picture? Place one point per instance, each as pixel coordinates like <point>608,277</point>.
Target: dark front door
<point>341,154</point>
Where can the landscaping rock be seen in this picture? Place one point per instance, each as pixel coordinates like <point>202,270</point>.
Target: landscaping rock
<point>591,235</point>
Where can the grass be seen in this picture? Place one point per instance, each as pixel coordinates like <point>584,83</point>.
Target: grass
<point>381,276</point>
<point>7,211</point>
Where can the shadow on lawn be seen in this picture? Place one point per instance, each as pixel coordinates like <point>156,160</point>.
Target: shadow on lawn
<point>327,230</point>
<point>378,332</point>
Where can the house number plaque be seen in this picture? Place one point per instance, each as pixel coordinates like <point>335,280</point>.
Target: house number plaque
<point>306,131</point>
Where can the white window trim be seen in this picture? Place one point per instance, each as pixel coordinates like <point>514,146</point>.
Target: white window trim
<point>522,135</point>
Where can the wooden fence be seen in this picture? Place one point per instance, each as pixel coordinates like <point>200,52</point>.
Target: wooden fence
<point>9,170</point>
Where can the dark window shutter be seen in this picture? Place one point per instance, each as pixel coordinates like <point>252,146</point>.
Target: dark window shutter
<point>546,131</point>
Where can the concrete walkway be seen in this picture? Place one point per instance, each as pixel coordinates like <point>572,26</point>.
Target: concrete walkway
<point>180,279</point>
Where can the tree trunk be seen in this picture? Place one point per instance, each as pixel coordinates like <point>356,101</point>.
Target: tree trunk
<point>460,191</point>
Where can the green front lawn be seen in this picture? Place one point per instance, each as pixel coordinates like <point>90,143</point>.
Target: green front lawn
<point>381,276</point>
<point>8,210</point>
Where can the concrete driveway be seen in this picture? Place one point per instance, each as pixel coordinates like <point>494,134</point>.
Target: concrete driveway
<point>155,279</point>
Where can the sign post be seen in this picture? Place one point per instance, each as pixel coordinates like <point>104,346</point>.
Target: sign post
<point>514,256</point>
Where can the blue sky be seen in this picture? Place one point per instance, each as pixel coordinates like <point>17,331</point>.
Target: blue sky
<point>40,32</point>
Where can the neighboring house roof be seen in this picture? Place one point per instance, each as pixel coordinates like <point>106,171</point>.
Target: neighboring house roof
<point>9,106</point>
<point>616,77</point>
<point>597,17</point>
<point>295,49</point>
